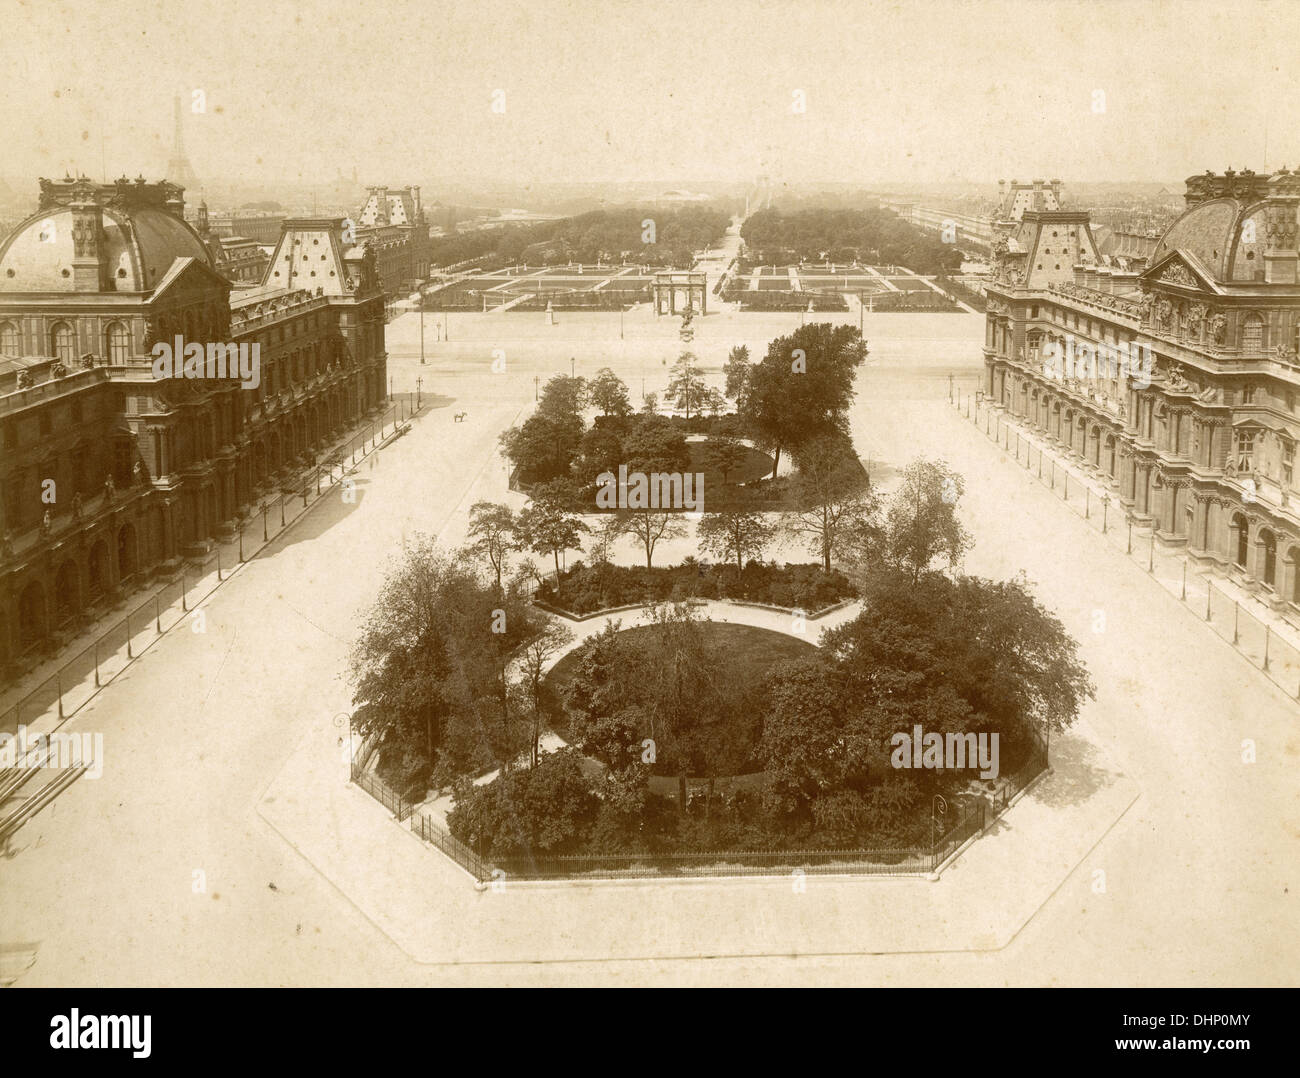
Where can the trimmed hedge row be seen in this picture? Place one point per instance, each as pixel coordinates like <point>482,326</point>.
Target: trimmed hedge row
<point>586,588</point>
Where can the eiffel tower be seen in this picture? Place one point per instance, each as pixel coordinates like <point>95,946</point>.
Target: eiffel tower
<point>179,169</point>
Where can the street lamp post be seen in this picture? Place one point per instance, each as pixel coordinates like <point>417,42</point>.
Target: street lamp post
<point>418,383</point>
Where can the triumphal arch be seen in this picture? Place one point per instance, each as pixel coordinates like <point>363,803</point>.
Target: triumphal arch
<point>691,287</point>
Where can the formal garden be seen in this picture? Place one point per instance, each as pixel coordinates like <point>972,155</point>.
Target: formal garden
<point>598,717</point>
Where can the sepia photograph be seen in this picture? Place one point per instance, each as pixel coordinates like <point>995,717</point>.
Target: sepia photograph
<point>706,494</point>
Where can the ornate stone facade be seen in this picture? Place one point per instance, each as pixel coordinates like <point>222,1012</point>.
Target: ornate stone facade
<point>136,473</point>
<point>1178,385</point>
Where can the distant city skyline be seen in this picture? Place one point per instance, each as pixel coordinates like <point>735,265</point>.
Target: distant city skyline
<point>408,91</point>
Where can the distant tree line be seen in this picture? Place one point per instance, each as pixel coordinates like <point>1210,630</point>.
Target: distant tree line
<point>618,235</point>
<point>873,235</point>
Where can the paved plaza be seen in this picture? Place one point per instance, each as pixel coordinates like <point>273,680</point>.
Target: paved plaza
<point>223,841</point>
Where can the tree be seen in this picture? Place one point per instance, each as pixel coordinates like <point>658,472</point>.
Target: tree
<point>724,455</point>
<point>831,495</point>
<point>653,444</point>
<point>551,639</point>
<point>686,387</point>
<point>681,679</point>
<point>544,447</point>
<point>736,370</point>
<point>548,809</point>
<point>810,744</point>
<point>608,392</point>
<point>549,525</point>
<point>959,655</point>
<point>429,665</point>
<point>650,404</point>
<point>563,395</point>
<point>921,521</point>
<point>735,535</point>
<point>492,529</point>
<point>601,451</point>
<point>802,389</point>
<point>649,526</point>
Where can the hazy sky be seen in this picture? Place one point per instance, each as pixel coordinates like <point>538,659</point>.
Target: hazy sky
<point>652,89</point>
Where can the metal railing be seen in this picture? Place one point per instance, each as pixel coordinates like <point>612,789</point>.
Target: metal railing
<point>973,815</point>
<point>430,832</point>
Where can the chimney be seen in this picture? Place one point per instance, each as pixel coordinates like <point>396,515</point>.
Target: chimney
<point>88,269</point>
<point>1280,255</point>
<point>1056,192</point>
<point>381,216</point>
<point>174,200</point>
<point>415,197</point>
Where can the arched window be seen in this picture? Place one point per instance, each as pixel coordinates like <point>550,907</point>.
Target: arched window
<point>1252,334</point>
<point>63,342</point>
<point>118,344</point>
<point>1268,546</point>
<point>10,340</point>
<point>1241,531</point>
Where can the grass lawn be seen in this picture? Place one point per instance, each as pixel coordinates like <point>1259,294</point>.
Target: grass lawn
<point>755,465</point>
<point>750,653</point>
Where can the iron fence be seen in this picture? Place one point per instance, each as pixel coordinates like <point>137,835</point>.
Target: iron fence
<point>437,836</point>
<point>973,815</point>
<point>398,805</point>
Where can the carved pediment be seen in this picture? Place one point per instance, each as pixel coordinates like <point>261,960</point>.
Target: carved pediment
<point>1180,270</point>
<point>1177,273</point>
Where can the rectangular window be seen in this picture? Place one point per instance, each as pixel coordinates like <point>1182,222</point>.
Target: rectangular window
<point>1243,448</point>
